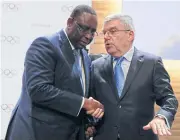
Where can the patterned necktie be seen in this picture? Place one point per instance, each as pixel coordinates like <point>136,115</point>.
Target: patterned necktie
<point>119,75</point>
<point>78,65</point>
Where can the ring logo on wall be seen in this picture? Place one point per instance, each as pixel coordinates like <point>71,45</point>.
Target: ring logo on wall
<point>8,73</point>
<point>10,7</point>
<point>67,8</point>
<point>10,39</point>
<point>7,108</point>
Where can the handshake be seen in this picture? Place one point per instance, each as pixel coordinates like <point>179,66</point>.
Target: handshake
<point>93,107</point>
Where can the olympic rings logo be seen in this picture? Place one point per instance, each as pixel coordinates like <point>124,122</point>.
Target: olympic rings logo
<point>7,107</point>
<point>10,6</point>
<point>67,8</point>
<point>8,73</point>
<point>10,39</point>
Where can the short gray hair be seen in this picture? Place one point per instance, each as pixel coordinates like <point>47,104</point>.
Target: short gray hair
<point>124,19</point>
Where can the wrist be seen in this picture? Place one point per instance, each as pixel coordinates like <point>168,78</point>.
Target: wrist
<point>161,117</point>
<point>86,103</point>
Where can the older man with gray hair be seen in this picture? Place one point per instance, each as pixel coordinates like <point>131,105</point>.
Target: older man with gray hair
<point>128,82</point>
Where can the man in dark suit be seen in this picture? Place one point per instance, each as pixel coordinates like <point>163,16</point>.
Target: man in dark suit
<point>128,82</point>
<point>55,87</point>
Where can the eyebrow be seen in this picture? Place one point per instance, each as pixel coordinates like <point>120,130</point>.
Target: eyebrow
<point>114,27</point>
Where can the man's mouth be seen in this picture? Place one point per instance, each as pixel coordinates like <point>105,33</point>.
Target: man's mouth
<point>108,44</point>
<point>84,42</point>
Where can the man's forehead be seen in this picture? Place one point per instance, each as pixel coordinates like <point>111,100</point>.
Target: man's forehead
<point>87,19</point>
<point>109,27</point>
<point>112,24</point>
<point>85,15</point>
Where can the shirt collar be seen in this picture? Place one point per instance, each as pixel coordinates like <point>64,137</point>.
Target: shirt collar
<point>68,40</point>
<point>128,55</point>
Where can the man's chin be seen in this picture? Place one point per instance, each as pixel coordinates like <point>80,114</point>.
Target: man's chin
<point>110,51</point>
<point>82,46</point>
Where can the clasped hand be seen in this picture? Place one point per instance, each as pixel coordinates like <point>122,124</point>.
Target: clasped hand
<point>94,108</point>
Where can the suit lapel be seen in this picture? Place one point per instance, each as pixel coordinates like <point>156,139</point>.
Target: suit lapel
<point>66,49</point>
<point>109,74</point>
<point>135,65</point>
<point>68,56</point>
<point>86,71</point>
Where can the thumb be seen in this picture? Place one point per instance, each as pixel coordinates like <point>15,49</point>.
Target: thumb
<point>147,127</point>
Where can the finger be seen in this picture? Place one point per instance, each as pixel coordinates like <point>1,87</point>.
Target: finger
<point>153,127</point>
<point>164,129</point>
<point>96,112</point>
<point>159,129</point>
<point>147,127</point>
<point>167,130</point>
<point>99,115</point>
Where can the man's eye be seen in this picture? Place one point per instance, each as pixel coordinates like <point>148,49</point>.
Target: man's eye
<point>113,31</point>
<point>86,28</point>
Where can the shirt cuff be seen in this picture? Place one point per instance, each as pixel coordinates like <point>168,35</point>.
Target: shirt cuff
<point>167,123</point>
<point>81,106</point>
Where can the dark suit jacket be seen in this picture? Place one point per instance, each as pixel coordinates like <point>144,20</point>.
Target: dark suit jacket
<point>94,56</point>
<point>147,82</point>
<point>51,93</point>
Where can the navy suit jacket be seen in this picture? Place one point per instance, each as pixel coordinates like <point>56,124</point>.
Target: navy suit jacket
<point>147,83</point>
<point>51,93</point>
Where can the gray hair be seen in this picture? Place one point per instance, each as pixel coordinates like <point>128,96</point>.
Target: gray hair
<point>126,20</point>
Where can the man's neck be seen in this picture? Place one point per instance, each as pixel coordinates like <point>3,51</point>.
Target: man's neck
<point>122,53</point>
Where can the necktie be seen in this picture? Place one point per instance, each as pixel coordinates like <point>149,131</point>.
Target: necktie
<point>119,75</point>
<point>78,65</point>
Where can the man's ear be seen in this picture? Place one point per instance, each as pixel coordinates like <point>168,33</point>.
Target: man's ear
<point>69,22</point>
<point>131,35</point>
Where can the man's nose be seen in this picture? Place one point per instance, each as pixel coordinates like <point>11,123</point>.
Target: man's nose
<point>106,36</point>
<point>89,35</point>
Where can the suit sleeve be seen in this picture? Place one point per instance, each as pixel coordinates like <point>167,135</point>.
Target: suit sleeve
<point>164,93</point>
<point>92,91</point>
<point>40,63</point>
